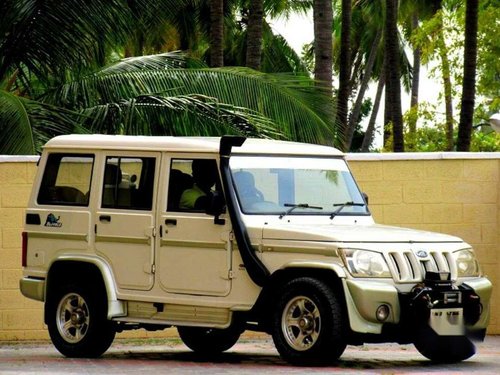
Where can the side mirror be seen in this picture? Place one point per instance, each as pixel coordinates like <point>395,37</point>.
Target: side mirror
<point>216,207</point>
<point>365,197</point>
<point>495,122</point>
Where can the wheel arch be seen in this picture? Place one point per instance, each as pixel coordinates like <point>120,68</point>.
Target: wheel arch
<point>90,270</point>
<point>331,275</point>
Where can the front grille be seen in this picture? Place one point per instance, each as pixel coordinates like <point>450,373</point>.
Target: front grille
<point>407,267</point>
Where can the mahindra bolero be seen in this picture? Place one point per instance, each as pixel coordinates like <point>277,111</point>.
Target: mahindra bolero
<point>216,236</point>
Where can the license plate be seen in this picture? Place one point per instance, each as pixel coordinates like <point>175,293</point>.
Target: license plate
<point>447,322</point>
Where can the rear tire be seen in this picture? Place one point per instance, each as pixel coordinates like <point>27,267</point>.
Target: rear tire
<point>308,324</point>
<point>77,322</point>
<point>209,340</point>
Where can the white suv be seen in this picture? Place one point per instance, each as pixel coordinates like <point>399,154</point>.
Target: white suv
<point>220,235</point>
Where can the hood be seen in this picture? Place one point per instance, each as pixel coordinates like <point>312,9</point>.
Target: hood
<point>352,234</point>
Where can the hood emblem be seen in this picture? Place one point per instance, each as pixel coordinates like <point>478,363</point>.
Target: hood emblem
<point>422,254</point>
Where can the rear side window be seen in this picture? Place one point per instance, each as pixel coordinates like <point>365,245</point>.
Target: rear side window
<point>66,180</point>
<point>128,183</point>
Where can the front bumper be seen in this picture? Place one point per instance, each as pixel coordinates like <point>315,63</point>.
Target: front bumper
<point>449,310</point>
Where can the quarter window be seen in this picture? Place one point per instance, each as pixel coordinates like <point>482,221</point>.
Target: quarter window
<point>66,180</point>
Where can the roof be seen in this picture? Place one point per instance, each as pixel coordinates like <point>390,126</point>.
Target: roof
<point>185,144</point>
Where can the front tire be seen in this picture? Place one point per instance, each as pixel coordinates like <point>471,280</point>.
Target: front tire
<point>443,349</point>
<point>77,322</point>
<point>209,341</point>
<point>308,324</point>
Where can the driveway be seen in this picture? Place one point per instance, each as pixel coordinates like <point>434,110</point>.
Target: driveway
<point>247,357</point>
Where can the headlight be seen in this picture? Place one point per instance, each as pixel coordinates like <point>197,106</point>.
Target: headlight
<point>467,265</point>
<point>363,263</point>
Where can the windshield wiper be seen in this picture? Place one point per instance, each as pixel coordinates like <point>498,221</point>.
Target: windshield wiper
<point>342,205</point>
<point>294,206</point>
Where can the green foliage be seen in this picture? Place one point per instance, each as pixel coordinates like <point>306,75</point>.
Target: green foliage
<point>451,22</point>
<point>359,134</point>
<point>485,141</point>
<point>26,125</point>
<point>433,139</point>
<point>488,61</point>
<point>52,52</point>
<point>431,135</point>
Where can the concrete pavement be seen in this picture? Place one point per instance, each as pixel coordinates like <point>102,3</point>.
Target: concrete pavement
<point>248,356</point>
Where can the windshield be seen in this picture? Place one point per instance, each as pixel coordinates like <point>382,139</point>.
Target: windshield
<point>295,186</point>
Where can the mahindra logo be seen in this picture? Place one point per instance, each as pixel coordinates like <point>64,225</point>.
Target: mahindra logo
<point>422,254</point>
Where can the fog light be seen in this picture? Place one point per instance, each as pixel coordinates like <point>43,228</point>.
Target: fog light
<point>383,313</point>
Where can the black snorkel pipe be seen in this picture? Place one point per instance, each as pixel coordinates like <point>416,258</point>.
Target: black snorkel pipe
<point>256,270</point>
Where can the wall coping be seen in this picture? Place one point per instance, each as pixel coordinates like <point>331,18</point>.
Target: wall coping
<point>19,158</point>
<point>422,156</point>
<point>350,156</point>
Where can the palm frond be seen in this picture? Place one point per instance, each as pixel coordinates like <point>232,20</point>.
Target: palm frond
<point>285,8</point>
<point>289,101</point>
<point>26,125</point>
<point>181,115</point>
<point>278,56</point>
<point>47,36</point>
<point>50,36</point>
<point>168,60</point>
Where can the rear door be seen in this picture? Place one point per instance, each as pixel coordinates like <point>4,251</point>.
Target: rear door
<point>125,220</point>
<point>58,218</point>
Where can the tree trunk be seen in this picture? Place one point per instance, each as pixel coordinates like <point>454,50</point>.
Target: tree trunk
<point>370,130</point>
<point>469,80</point>
<point>356,66</point>
<point>393,94</point>
<point>216,33</point>
<point>387,129</point>
<point>448,96</point>
<point>323,19</point>
<point>353,119</point>
<point>254,34</point>
<point>345,68</point>
<point>415,82</point>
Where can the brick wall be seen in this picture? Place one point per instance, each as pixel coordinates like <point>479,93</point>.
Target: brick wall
<point>453,193</point>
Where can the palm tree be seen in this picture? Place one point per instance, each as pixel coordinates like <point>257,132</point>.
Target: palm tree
<point>277,56</point>
<point>254,34</point>
<point>323,19</point>
<point>323,16</point>
<point>367,75</point>
<point>40,97</point>
<point>345,67</point>
<point>469,79</point>
<point>216,33</point>
<point>368,55</point>
<point>392,72</point>
<point>446,72</point>
<point>370,130</point>
<point>412,13</point>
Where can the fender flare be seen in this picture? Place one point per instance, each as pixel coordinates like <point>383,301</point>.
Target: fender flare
<point>116,308</point>
<point>337,269</point>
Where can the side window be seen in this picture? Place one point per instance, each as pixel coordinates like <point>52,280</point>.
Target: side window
<point>66,180</point>
<point>192,184</point>
<point>128,183</point>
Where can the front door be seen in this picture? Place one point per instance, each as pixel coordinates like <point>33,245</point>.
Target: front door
<point>125,220</point>
<point>194,255</point>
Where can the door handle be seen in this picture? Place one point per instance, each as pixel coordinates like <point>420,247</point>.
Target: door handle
<point>171,222</point>
<point>105,218</point>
